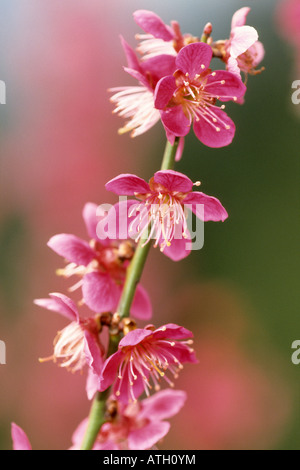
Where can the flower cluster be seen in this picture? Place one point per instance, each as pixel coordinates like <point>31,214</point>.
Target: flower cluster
<point>177,86</point>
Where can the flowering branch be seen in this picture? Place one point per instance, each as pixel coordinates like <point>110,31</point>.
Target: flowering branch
<point>137,264</point>
<point>176,85</point>
<point>133,275</point>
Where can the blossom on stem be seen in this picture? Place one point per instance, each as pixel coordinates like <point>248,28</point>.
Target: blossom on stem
<point>101,266</point>
<point>136,103</point>
<point>190,95</point>
<point>160,214</point>
<point>145,354</point>
<point>137,426</point>
<point>78,344</point>
<point>242,52</point>
<point>159,38</point>
<point>19,438</point>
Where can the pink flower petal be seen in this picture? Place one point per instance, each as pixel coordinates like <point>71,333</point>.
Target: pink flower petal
<point>100,292</point>
<point>213,209</point>
<point>257,52</point>
<point>208,135</point>
<point>170,136</point>
<point>60,303</point>
<point>132,60</point>
<point>178,249</point>
<point>92,384</point>
<point>233,67</point>
<point>172,331</point>
<point>240,17</point>
<point>141,307</point>
<point>173,181</point>
<point>92,214</point>
<point>110,369</point>
<point>78,434</point>
<point>180,149</point>
<point>164,91</point>
<point>72,248</point>
<point>176,121</point>
<point>163,405</point>
<point>158,67</point>
<point>127,393</point>
<point>134,337</point>
<point>153,24</point>
<point>115,226</point>
<point>94,353</point>
<point>127,185</point>
<point>225,85</point>
<point>140,77</point>
<point>183,354</point>
<point>147,436</point>
<point>242,38</point>
<point>194,58</point>
<point>19,438</point>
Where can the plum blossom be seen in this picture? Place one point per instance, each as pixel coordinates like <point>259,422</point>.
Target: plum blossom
<point>190,95</point>
<point>160,214</point>
<point>242,52</point>
<point>136,103</point>
<point>136,426</point>
<point>78,343</point>
<point>159,38</point>
<point>19,438</point>
<point>101,266</point>
<point>145,354</point>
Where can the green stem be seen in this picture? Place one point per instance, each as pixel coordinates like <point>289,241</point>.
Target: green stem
<point>137,264</point>
<point>97,412</point>
<point>133,275</point>
<point>169,155</point>
<point>96,419</point>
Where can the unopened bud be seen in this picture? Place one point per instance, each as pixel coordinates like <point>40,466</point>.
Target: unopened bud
<point>126,250</point>
<point>208,29</point>
<point>128,325</point>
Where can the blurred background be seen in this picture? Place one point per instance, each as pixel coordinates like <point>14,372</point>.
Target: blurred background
<point>239,294</point>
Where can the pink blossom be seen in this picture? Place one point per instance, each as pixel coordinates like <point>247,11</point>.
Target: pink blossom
<point>78,343</point>
<point>242,52</point>
<point>137,426</point>
<point>19,438</point>
<point>145,354</point>
<point>159,38</point>
<point>101,266</point>
<point>160,212</point>
<point>189,96</point>
<point>136,103</point>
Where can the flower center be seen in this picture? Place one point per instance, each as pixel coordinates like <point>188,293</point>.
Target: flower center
<point>112,259</point>
<point>150,360</point>
<point>69,348</point>
<point>196,99</point>
<point>161,217</point>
